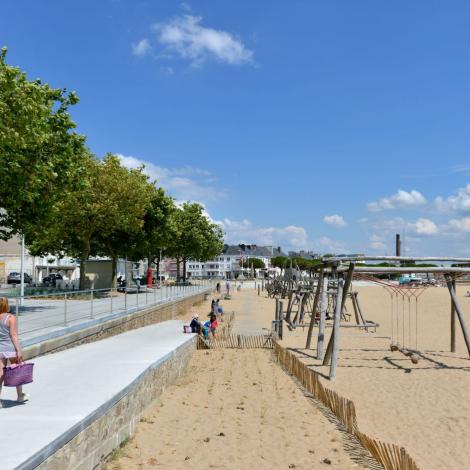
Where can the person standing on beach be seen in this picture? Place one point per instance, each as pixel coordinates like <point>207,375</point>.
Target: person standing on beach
<point>217,288</point>
<point>10,350</point>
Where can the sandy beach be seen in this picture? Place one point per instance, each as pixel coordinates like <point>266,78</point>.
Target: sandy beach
<point>235,409</point>
<point>422,407</point>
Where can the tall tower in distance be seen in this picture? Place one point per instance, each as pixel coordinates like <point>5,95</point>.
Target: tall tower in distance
<point>397,245</point>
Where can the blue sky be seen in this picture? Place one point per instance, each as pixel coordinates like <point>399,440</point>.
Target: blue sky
<point>325,125</point>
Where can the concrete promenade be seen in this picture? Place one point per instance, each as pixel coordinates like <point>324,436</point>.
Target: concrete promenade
<point>43,318</point>
<point>75,387</point>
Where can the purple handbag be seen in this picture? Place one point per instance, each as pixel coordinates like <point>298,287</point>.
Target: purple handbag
<point>18,374</point>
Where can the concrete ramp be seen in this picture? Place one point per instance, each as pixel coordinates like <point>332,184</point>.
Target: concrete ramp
<point>86,400</point>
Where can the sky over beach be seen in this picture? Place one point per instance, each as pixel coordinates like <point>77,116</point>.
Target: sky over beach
<point>323,125</point>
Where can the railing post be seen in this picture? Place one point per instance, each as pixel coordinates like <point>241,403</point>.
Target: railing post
<point>17,308</point>
<point>91,304</point>
<point>111,300</point>
<point>137,296</point>
<point>155,294</point>
<point>125,299</point>
<point>65,309</point>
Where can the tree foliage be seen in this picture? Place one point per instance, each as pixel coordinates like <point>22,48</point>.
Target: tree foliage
<point>254,263</point>
<point>193,235</point>
<point>40,155</point>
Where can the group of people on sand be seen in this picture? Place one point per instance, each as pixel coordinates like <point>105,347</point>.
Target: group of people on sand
<point>10,350</point>
<point>210,326</point>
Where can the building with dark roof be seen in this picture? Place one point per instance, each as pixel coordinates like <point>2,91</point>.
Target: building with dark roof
<point>227,264</point>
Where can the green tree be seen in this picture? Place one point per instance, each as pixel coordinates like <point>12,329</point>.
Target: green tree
<point>279,261</point>
<point>129,204</point>
<point>193,236</point>
<point>101,218</point>
<point>254,263</point>
<point>40,155</point>
<point>157,231</point>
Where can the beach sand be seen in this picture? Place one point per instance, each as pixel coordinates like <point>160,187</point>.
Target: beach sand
<point>423,407</point>
<point>234,409</point>
<point>237,409</point>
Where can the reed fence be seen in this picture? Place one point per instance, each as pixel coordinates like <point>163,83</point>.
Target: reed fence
<point>391,456</point>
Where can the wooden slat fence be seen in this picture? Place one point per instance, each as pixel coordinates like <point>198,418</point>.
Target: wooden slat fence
<point>391,456</point>
<point>235,342</point>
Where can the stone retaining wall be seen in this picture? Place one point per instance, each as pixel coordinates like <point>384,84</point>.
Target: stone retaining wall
<point>85,447</point>
<point>131,321</point>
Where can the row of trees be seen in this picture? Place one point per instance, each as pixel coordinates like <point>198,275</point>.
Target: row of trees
<point>65,200</point>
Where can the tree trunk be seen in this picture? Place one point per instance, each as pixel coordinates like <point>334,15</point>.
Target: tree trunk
<point>184,269</point>
<point>158,267</point>
<point>113,271</point>
<point>82,273</point>
<point>83,259</point>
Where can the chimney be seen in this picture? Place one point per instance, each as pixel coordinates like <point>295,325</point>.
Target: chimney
<point>397,244</point>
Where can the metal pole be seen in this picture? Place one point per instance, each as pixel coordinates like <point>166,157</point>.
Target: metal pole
<point>125,298</point>
<point>111,300</point>
<point>22,271</point>
<point>91,304</point>
<point>65,309</point>
<point>146,296</point>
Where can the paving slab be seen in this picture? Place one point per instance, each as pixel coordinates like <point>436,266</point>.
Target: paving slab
<point>73,387</point>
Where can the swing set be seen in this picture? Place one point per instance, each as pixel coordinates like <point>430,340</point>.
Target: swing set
<point>324,295</point>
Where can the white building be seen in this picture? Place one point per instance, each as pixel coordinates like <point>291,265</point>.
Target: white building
<point>227,264</point>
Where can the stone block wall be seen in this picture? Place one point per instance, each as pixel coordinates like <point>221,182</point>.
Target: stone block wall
<point>98,435</point>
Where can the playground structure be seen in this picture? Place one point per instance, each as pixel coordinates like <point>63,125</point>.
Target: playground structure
<point>321,296</point>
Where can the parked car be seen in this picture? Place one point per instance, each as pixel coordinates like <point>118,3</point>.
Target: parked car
<point>15,278</point>
<point>51,280</point>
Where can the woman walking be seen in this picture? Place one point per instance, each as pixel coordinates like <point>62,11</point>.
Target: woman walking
<point>10,350</point>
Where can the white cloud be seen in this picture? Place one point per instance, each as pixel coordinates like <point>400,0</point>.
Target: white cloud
<point>459,225</point>
<point>187,183</point>
<point>335,220</point>
<point>142,48</point>
<point>464,168</point>
<point>327,244</point>
<point>425,227</point>
<point>377,242</point>
<point>459,202</point>
<point>400,199</point>
<point>244,231</point>
<point>186,38</point>
<point>185,6</point>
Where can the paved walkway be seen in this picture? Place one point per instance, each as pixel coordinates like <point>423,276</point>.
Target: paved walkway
<point>71,386</point>
<point>42,318</point>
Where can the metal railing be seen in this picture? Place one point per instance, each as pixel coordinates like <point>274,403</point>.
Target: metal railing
<point>39,314</point>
